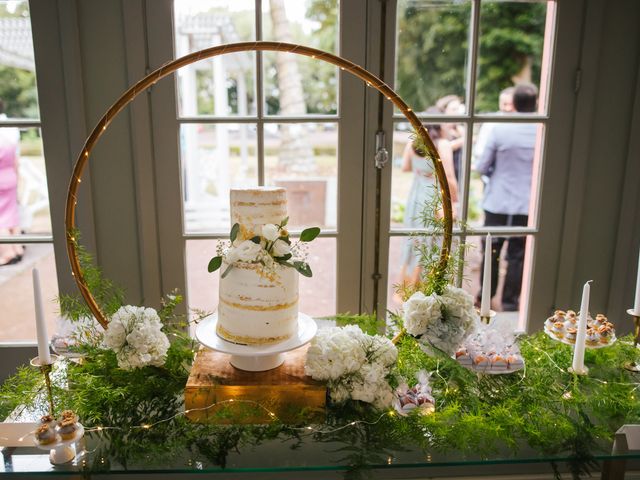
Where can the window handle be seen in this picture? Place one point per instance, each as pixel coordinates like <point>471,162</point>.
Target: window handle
<point>382,155</point>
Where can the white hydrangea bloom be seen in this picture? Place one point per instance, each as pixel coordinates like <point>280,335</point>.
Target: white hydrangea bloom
<point>458,303</point>
<point>335,352</point>
<point>419,312</point>
<point>356,365</point>
<point>135,334</point>
<point>448,332</point>
<point>386,352</point>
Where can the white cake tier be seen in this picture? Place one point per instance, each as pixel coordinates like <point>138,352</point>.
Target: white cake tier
<point>254,207</point>
<point>258,307</point>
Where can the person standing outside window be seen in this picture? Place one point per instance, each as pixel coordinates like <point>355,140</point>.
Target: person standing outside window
<point>505,105</point>
<point>9,215</point>
<point>507,163</point>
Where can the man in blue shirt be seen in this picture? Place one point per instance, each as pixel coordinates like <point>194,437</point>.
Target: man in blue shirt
<point>507,162</point>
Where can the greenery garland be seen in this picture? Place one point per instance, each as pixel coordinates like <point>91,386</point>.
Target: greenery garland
<point>544,407</point>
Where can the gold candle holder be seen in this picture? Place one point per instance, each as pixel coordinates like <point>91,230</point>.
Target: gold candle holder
<point>634,367</point>
<point>46,369</point>
<point>486,319</point>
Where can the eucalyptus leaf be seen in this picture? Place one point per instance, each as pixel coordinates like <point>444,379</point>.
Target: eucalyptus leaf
<point>283,258</point>
<point>303,268</point>
<point>284,222</point>
<point>309,234</point>
<point>256,239</point>
<point>214,264</point>
<point>234,232</point>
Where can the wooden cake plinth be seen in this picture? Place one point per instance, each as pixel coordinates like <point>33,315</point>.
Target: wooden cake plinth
<point>217,392</point>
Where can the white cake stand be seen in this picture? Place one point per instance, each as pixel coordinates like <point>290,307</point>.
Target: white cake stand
<point>255,358</point>
<point>61,451</point>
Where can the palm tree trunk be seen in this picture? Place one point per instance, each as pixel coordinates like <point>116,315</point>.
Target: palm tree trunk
<point>296,154</point>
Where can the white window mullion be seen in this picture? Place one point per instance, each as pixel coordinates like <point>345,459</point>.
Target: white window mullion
<point>259,97</point>
<point>465,170</point>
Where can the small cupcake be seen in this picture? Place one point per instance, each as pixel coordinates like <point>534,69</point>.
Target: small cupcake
<point>600,320</point>
<point>481,361</point>
<point>48,420</point>
<point>498,363</point>
<point>69,414</point>
<point>559,315</point>
<point>605,332</point>
<point>592,339</point>
<point>571,334</point>
<point>45,435</point>
<point>515,362</point>
<point>558,329</point>
<point>463,357</point>
<point>67,428</point>
<point>570,323</point>
<point>548,323</point>
<point>571,314</point>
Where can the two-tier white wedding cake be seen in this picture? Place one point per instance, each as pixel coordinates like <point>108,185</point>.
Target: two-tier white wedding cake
<point>257,305</point>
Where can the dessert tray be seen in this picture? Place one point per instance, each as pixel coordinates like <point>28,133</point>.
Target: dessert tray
<point>255,358</point>
<point>562,327</point>
<point>61,451</point>
<point>490,351</point>
<point>568,342</point>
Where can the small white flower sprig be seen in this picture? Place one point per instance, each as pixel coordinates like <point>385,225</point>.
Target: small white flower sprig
<point>355,365</point>
<point>442,321</point>
<point>135,335</point>
<point>272,247</point>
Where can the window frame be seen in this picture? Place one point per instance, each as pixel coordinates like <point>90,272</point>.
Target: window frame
<point>538,297</point>
<point>350,122</point>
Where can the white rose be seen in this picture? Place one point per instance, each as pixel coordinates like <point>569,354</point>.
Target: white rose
<point>247,251</point>
<point>231,255</point>
<point>270,232</point>
<point>280,248</point>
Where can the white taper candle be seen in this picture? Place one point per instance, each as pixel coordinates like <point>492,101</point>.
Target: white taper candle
<point>636,303</point>
<point>485,302</point>
<point>578,352</point>
<point>41,326</point>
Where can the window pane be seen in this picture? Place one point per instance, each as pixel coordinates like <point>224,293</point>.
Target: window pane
<point>506,164</point>
<point>18,94</point>
<point>413,177</point>
<point>303,158</point>
<point>224,85</point>
<point>293,84</point>
<point>511,49</point>
<point>317,294</point>
<point>511,269</point>
<point>405,263</point>
<point>24,199</point>
<point>215,158</point>
<point>17,322</point>
<point>431,54</point>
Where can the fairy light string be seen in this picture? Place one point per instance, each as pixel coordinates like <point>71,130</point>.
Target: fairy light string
<point>306,429</point>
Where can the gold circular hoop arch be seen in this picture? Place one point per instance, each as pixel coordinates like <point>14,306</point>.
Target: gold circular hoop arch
<point>169,68</point>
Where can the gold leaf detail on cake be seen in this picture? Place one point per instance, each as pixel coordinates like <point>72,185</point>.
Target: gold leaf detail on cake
<point>260,308</point>
<point>243,339</point>
<point>256,204</point>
